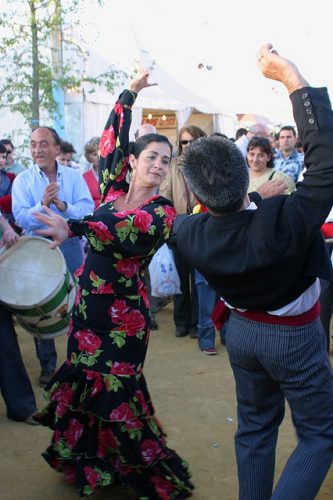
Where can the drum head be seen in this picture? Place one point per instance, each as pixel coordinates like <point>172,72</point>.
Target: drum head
<point>30,272</point>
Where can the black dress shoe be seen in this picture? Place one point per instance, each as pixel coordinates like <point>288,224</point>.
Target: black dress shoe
<point>194,333</point>
<point>31,421</point>
<point>28,420</point>
<point>153,323</point>
<point>45,377</point>
<point>181,331</point>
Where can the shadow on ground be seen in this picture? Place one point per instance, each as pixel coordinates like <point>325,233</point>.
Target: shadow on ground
<point>194,397</point>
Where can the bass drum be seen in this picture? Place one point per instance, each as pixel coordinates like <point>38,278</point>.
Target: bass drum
<point>37,287</point>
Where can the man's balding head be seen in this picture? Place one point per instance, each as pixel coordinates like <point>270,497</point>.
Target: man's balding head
<point>258,130</point>
<point>145,128</point>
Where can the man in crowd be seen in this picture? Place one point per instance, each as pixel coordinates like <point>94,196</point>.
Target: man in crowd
<point>256,130</point>
<point>287,158</point>
<point>12,166</point>
<point>48,183</point>
<point>65,156</point>
<point>265,261</point>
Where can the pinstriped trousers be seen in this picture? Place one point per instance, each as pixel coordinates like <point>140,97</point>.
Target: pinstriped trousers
<point>271,364</point>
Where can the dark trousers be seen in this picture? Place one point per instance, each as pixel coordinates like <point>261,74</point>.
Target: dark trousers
<point>272,363</point>
<point>326,303</point>
<point>185,310</point>
<point>15,385</point>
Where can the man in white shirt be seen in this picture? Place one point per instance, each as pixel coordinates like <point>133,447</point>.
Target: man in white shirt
<point>256,130</point>
<point>48,183</point>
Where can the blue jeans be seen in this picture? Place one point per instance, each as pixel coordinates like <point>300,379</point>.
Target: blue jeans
<point>272,363</point>
<point>72,250</point>
<point>207,299</point>
<point>15,385</point>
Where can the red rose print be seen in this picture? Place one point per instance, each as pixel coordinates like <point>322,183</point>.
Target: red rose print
<point>93,276</point>
<point>107,288</point>
<point>170,213</point>
<point>142,221</point>
<point>69,474</point>
<point>118,108</point>
<point>92,420</point>
<point>133,322</point>
<point>70,328</point>
<point>74,432</point>
<point>56,463</point>
<point>124,169</point>
<point>101,231</point>
<point>63,396</point>
<point>103,289</point>
<point>122,469</point>
<point>128,267</point>
<point>97,378</point>
<point>141,400</point>
<point>92,476</point>
<point>79,271</point>
<point>88,341</point>
<point>107,143</point>
<point>142,291</point>
<point>112,195</point>
<point>162,487</point>
<point>134,424</point>
<point>122,413</point>
<point>122,224</point>
<point>118,310</point>
<point>122,368</point>
<point>77,296</point>
<point>56,437</point>
<point>106,440</point>
<point>149,450</point>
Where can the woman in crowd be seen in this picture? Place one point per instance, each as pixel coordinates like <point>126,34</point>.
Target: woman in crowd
<point>6,182</point>
<point>91,151</point>
<point>260,157</point>
<point>90,155</point>
<point>185,311</point>
<point>105,429</point>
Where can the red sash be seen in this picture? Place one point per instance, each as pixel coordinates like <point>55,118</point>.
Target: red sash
<point>221,314</point>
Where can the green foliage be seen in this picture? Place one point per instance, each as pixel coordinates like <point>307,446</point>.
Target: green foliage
<point>39,52</point>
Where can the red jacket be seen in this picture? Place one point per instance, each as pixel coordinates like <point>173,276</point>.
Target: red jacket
<point>6,201</point>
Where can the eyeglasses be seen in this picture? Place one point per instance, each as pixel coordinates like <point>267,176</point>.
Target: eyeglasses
<point>185,143</point>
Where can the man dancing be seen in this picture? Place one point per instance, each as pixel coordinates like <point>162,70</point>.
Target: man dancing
<point>265,261</point>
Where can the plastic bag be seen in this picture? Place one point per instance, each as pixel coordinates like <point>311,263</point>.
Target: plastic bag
<point>164,279</point>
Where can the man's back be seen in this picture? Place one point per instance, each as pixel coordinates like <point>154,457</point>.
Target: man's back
<point>266,257</point>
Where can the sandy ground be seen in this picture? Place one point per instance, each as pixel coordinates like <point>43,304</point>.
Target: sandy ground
<point>194,398</point>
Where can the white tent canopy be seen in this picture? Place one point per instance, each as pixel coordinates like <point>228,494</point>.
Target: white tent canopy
<point>86,112</point>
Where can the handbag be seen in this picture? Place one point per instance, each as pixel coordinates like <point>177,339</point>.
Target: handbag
<point>164,278</point>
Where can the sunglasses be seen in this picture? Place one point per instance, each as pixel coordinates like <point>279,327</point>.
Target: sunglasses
<point>185,143</point>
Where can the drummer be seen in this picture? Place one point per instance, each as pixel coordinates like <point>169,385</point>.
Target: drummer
<point>15,385</point>
<point>48,183</point>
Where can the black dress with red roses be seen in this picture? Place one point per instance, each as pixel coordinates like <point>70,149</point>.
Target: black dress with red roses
<point>105,429</point>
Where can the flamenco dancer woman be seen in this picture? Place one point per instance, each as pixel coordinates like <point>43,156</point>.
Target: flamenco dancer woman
<point>104,426</point>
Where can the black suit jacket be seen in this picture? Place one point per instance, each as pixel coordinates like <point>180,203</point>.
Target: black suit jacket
<point>265,258</point>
